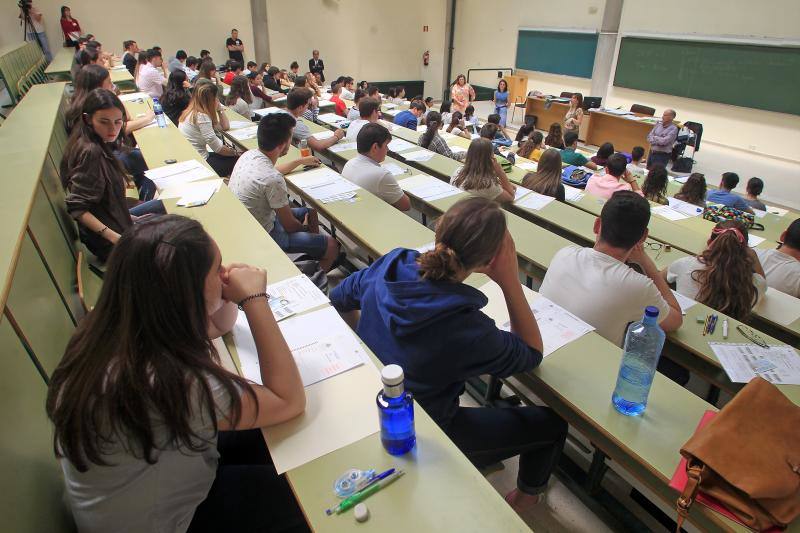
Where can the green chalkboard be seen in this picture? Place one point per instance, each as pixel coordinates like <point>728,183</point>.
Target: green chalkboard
<point>566,53</point>
<point>760,77</point>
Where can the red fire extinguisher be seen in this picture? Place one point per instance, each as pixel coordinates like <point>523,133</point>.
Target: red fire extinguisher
<point>426,57</point>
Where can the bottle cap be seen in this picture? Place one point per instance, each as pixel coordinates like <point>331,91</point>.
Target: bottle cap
<point>651,311</point>
<point>361,512</point>
<point>392,375</point>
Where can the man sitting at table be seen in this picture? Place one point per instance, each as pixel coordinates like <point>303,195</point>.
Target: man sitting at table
<point>616,178</point>
<point>662,138</point>
<point>570,156</point>
<point>602,289</point>
<point>151,75</point>
<point>369,110</point>
<point>259,184</point>
<point>365,169</point>
<point>725,195</point>
<point>297,103</point>
<point>410,117</point>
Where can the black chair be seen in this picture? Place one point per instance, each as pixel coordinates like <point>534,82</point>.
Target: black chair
<point>591,102</point>
<point>643,109</point>
<point>565,94</point>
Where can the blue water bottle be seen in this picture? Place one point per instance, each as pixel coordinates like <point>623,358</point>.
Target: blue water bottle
<point>161,120</point>
<point>396,411</point>
<point>643,344</point>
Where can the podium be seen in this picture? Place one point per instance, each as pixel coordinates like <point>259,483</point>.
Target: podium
<point>517,88</point>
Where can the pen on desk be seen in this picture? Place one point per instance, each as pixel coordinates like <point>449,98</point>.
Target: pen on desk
<point>725,328</point>
<point>374,479</point>
<point>712,325</point>
<point>361,495</point>
<point>705,325</point>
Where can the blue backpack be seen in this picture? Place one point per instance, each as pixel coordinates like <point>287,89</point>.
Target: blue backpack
<point>575,176</point>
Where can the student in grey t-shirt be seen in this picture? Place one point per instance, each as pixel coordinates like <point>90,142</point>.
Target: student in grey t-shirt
<point>145,415</point>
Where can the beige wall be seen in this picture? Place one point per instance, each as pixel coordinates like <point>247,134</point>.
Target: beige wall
<point>372,40</point>
<point>191,25</point>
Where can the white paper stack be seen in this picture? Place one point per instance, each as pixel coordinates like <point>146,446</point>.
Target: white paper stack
<point>268,111</point>
<point>342,147</point>
<point>243,134</point>
<point>130,97</point>
<point>534,201</point>
<point>178,173</point>
<point>199,194</point>
<point>686,208</point>
<point>667,212</point>
<point>685,302</point>
<point>293,296</point>
<point>398,145</point>
<point>325,185</point>
<point>742,362</point>
<point>754,240</point>
<point>331,118</point>
<point>394,168</point>
<point>428,188</point>
<point>322,135</point>
<point>418,155</point>
<point>238,124</point>
<point>572,194</point>
<point>527,165</point>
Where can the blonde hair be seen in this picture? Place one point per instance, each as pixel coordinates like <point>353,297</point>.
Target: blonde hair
<point>547,177</point>
<point>468,236</point>
<point>204,100</point>
<point>478,171</point>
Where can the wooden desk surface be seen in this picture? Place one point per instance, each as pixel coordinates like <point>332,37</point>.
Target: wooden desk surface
<point>624,133</point>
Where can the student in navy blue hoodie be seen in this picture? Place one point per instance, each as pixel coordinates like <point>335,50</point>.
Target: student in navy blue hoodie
<point>417,312</point>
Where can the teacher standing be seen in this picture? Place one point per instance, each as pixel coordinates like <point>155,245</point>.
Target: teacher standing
<point>461,94</point>
<point>69,27</point>
<point>574,116</point>
<point>500,101</point>
<point>316,66</point>
<point>662,138</point>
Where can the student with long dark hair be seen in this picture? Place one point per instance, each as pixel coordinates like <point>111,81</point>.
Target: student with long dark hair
<point>574,116</point>
<point>417,312</point>
<point>200,123</point>
<point>94,178</point>
<point>547,178</point>
<point>70,27</point>
<point>176,96</point>
<point>655,184</point>
<point>500,101</point>
<point>240,97</point>
<point>727,276</point>
<point>434,142</point>
<point>152,432</point>
<point>524,132</point>
<point>694,190</point>
<point>207,73</point>
<point>482,175</point>
<point>93,77</point>
<point>555,137</point>
<point>533,147</point>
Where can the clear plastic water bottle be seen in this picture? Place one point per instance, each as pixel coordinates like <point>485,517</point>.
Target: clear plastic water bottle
<point>396,412</point>
<point>161,120</point>
<point>643,344</point>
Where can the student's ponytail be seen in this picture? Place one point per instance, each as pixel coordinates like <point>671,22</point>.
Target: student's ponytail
<point>439,264</point>
<point>433,121</point>
<point>726,282</point>
<point>468,236</point>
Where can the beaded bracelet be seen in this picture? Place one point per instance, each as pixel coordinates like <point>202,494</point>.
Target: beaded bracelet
<point>252,297</point>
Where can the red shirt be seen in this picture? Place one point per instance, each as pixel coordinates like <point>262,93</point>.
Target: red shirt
<point>71,29</point>
<point>340,107</point>
<point>228,77</point>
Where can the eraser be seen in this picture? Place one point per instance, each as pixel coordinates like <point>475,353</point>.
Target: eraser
<point>361,512</point>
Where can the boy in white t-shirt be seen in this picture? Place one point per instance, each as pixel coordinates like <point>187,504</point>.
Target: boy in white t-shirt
<point>595,283</point>
<point>635,166</point>
<point>782,266</point>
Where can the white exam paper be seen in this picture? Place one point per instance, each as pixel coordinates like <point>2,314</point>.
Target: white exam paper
<point>293,296</point>
<point>243,134</point>
<point>331,118</point>
<point>199,194</point>
<point>520,192</point>
<point>394,168</point>
<point>528,166</point>
<point>754,240</point>
<point>777,210</point>
<point>742,362</point>
<point>321,343</point>
<point>572,194</point>
<point>178,173</point>
<point>342,147</point>
<point>418,155</point>
<point>398,145</point>
<point>667,212</point>
<point>268,111</point>
<point>686,208</point>
<point>322,135</point>
<point>534,201</point>
<point>685,302</point>
<point>428,188</point>
<point>130,97</point>
<point>238,124</point>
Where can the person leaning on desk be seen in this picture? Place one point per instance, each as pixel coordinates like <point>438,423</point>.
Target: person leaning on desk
<point>662,138</point>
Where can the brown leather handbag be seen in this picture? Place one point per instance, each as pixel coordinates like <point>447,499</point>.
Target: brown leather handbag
<point>748,458</point>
